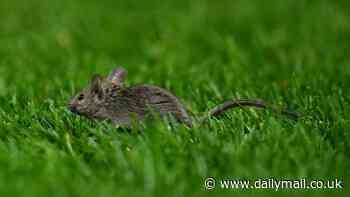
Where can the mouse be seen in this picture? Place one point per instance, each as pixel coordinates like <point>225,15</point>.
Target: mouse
<point>108,98</point>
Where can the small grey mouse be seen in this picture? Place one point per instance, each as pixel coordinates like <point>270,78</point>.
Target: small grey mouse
<point>109,99</point>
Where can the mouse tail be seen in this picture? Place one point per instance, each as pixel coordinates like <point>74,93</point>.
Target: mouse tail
<point>240,103</point>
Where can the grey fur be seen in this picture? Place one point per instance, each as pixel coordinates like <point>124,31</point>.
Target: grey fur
<point>109,99</point>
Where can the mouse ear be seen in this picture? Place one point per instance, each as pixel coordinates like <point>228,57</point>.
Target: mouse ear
<point>117,75</point>
<point>96,84</point>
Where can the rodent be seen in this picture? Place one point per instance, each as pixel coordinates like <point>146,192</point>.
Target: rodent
<point>108,98</point>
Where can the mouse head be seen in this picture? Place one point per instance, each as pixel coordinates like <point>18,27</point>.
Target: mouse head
<point>94,99</point>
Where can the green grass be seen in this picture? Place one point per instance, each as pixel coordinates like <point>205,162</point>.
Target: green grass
<point>290,53</point>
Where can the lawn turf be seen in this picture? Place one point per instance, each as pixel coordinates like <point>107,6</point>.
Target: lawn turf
<point>293,54</point>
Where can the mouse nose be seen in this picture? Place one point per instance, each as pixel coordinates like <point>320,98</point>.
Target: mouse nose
<point>73,107</point>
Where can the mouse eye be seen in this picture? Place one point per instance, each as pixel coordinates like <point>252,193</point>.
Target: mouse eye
<point>80,97</point>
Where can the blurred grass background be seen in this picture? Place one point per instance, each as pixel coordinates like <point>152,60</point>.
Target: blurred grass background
<point>290,53</point>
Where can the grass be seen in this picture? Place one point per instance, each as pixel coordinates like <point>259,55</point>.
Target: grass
<point>290,53</point>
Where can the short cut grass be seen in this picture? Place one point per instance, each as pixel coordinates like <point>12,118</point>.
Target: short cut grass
<point>290,53</point>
